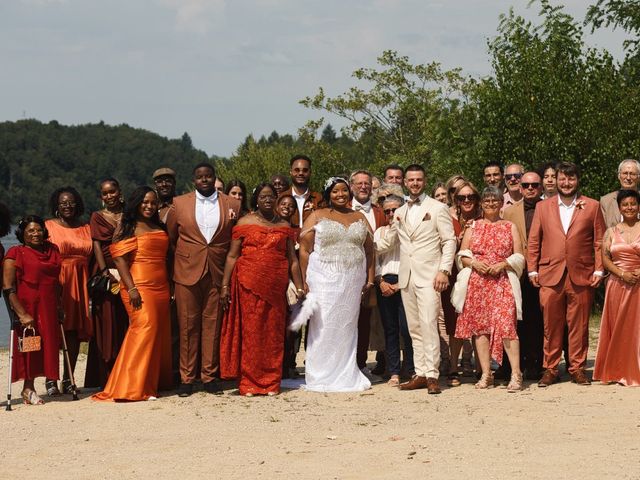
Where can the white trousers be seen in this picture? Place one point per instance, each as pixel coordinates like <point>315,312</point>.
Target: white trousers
<point>422,306</point>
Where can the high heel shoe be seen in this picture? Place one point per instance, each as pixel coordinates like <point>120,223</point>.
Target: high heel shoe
<point>515,384</point>
<point>486,381</point>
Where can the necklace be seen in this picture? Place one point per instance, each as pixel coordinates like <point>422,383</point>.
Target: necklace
<point>272,220</point>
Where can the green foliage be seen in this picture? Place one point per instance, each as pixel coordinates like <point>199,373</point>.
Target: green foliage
<point>37,158</point>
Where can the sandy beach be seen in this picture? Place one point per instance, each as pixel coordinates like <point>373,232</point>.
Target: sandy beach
<point>565,431</point>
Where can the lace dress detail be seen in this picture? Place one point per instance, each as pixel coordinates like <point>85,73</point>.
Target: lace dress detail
<point>336,274</point>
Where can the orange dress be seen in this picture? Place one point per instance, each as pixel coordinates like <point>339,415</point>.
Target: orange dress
<point>253,328</point>
<point>144,362</point>
<point>75,247</point>
<point>618,357</point>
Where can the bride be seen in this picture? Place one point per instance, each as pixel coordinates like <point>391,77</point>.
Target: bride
<point>336,258</point>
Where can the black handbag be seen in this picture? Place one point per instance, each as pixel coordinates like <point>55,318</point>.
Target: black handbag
<point>98,284</point>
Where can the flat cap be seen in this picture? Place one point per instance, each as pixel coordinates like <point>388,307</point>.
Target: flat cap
<point>164,171</point>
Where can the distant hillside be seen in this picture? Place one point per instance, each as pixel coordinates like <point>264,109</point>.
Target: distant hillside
<point>36,158</point>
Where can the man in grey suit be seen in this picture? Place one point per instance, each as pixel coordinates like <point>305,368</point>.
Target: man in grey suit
<point>628,172</point>
<point>424,229</point>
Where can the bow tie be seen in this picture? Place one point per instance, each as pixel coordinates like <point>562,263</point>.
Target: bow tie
<point>364,208</point>
<point>415,201</point>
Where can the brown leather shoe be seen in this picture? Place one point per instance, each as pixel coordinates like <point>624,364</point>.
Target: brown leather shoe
<point>549,378</point>
<point>433,387</point>
<point>414,384</point>
<point>580,378</point>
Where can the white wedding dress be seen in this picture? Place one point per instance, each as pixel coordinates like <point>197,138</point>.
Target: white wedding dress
<point>336,274</point>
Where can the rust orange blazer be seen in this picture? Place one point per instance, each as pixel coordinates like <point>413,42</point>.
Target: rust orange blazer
<point>193,257</point>
<point>314,198</point>
<point>550,251</point>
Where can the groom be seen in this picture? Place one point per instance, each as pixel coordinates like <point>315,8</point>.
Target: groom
<point>427,248</point>
<point>199,225</point>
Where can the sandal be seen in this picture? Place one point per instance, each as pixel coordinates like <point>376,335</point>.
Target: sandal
<point>515,385</point>
<point>52,388</point>
<point>394,381</point>
<point>486,381</point>
<point>30,397</point>
<point>453,380</point>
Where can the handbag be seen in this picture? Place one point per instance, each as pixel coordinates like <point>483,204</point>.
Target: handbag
<point>31,343</point>
<point>292,298</point>
<point>98,283</point>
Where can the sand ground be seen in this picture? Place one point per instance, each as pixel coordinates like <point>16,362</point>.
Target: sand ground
<point>564,432</point>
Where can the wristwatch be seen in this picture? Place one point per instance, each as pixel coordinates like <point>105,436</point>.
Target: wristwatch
<point>446,272</point>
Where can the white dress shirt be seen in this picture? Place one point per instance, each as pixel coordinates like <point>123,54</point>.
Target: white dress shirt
<point>566,212</point>
<point>300,201</point>
<point>387,262</point>
<point>367,211</point>
<point>207,214</point>
<point>413,211</point>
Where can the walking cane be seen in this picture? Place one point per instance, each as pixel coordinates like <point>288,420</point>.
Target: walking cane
<point>74,389</point>
<point>12,322</point>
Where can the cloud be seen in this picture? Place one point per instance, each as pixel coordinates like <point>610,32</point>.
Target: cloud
<point>196,16</point>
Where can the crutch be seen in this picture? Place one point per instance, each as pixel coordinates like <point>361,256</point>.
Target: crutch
<point>12,322</point>
<point>74,389</point>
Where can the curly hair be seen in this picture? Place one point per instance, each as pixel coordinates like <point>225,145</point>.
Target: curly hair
<point>22,225</point>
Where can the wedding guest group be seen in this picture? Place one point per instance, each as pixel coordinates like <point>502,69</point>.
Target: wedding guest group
<point>225,280</point>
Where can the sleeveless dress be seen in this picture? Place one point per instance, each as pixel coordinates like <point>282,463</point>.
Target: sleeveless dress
<point>76,246</point>
<point>143,365</point>
<point>336,274</point>
<point>489,307</point>
<point>253,328</point>
<point>618,355</point>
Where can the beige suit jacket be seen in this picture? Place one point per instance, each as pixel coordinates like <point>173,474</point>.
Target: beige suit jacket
<point>425,248</point>
<point>515,214</point>
<point>610,210</point>
<point>193,256</point>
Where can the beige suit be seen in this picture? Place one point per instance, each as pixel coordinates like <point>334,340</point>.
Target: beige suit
<point>426,247</point>
<point>610,210</point>
<point>515,214</point>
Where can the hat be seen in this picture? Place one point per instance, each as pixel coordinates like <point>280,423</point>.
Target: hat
<point>164,171</point>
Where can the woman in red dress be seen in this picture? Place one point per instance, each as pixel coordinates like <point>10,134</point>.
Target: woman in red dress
<point>110,320</point>
<point>30,279</point>
<point>490,310</point>
<point>261,258</point>
<point>140,248</point>
<point>72,236</point>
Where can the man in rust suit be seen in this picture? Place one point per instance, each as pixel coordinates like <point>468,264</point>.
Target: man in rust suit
<point>199,225</point>
<point>565,261</point>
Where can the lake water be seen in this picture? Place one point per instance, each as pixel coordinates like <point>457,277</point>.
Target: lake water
<point>8,242</point>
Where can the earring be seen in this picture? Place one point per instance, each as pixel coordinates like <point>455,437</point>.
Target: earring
<point>103,204</point>
<point>121,199</point>
<point>57,213</point>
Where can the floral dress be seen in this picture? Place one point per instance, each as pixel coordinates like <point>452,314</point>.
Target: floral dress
<point>489,307</point>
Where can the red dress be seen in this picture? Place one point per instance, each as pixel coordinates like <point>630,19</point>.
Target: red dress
<point>36,285</point>
<point>253,329</point>
<point>489,307</point>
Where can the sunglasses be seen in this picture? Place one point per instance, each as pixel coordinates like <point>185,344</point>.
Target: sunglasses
<point>389,211</point>
<point>467,198</point>
<point>513,176</point>
<point>534,185</point>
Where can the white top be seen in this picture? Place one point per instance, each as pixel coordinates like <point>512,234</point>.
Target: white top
<point>207,214</point>
<point>413,211</point>
<point>367,211</point>
<point>300,201</point>
<point>566,212</point>
<point>387,262</point>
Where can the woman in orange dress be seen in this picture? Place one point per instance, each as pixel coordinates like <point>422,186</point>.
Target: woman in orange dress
<point>73,238</point>
<point>618,357</point>
<point>260,258</point>
<point>139,250</point>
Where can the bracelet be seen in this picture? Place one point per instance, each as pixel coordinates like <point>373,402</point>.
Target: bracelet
<point>134,288</point>
<point>370,284</point>
<point>301,290</point>
<point>622,274</point>
<point>224,286</point>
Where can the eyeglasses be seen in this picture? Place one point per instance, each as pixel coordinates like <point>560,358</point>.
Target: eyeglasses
<point>467,198</point>
<point>628,174</point>
<point>513,176</point>
<point>389,211</point>
<point>533,185</point>
<point>67,204</point>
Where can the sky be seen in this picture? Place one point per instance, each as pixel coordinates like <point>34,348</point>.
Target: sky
<point>222,69</point>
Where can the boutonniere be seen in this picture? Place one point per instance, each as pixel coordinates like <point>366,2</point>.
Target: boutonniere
<point>580,204</point>
<point>427,216</point>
